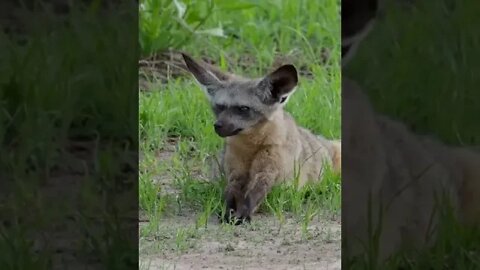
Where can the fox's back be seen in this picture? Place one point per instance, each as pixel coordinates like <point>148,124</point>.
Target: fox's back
<point>311,152</point>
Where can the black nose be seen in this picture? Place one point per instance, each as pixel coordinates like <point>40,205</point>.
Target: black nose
<point>217,125</point>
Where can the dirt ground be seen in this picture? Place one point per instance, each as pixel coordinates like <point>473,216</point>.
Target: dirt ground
<point>261,245</point>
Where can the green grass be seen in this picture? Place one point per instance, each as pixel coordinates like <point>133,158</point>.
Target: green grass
<point>255,32</point>
<point>53,89</point>
<point>419,65</point>
<point>182,111</point>
<point>455,246</point>
<point>424,69</point>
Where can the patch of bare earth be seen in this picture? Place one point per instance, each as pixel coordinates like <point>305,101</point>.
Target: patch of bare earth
<point>261,245</point>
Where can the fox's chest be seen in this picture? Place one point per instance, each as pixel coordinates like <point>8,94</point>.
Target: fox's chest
<point>247,161</point>
<point>239,159</point>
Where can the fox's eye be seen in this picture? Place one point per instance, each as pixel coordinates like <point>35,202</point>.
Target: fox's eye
<point>244,108</point>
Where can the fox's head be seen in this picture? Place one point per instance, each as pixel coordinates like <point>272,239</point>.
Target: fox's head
<point>240,104</point>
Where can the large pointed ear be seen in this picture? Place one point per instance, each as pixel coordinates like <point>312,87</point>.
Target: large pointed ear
<point>358,17</point>
<point>221,75</point>
<point>204,77</point>
<point>281,83</point>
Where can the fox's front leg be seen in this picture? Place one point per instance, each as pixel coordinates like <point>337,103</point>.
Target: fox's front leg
<point>234,198</point>
<point>264,173</point>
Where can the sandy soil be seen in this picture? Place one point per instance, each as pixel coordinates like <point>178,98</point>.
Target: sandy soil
<point>261,245</point>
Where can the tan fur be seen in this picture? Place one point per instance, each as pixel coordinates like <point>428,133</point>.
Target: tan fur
<point>337,156</point>
<point>285,144</point>
<point>404,172</point>
<point>470,187</point>
<point>268,153</point>
<point>464,164</point>
<point>400,173</point>
<point>264,146</point>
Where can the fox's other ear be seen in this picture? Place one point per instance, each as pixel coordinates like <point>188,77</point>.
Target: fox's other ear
<point>204,77</point>
<point>358,17</point>
<point>281,82</point>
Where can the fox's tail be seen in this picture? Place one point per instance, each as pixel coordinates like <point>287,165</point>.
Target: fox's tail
<point>469,163</point>
<point>337,155</point>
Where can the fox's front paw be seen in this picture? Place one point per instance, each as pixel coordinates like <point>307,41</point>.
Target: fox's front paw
<point>227,216</point>
<point>244,212</point>
<point>230,218</point>
<point>242,220</point>
<point>230,207</point>
<point>239,221</point>
<point>238,208</point>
